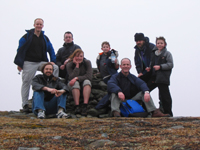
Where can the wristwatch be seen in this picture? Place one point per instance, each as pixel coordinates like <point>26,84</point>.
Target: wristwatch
<point>146,92</point>
<point>76,78</point>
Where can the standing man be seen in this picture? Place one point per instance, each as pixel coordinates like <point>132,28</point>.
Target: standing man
<point>31,55</point>
<point>49,94</point>
<point>64,52</point>
<point>143,50</point>
<point>125,85</point>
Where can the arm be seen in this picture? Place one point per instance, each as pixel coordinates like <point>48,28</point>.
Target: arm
<point>58,58</point>
<point>50,50</point>
<point>36,85</point>
<point>72,72</point>
<point>141,85</point>
<point>169,64</point>
<point>112,85</point>
<point>88,74</point>
<point>137,61</point>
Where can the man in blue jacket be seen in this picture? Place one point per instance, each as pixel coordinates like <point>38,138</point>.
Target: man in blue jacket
<point>31,55</point>
<point>125,85</point>
<point>143,50</point>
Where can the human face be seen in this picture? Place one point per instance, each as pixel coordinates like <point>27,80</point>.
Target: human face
<point>140,43</point>
<point>125,66</point>
<point>105,48</point>
<point>160,44</point>
<point>68,38</point>
<point>38,24</point>
<point>48,70</point>
<point>79,57</point>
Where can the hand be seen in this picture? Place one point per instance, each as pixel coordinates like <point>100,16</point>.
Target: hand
<point>66,61</point>
<point>76,62</point>
<point>62,67</point>
<point>71,83</point>
<point>52,63</point>
<point>156,67</point>
<point>59,92</point>
<point>121,96</point>
<point>148,69</point>
<point>19,68</point>
<point>146,97</point>
<point>140,74</point>
<point>52,91</point>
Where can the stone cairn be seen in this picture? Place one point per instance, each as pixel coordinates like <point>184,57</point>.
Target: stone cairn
<point>99,90</point>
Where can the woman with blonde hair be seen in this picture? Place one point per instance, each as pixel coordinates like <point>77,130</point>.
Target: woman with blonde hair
<point>80,75</point>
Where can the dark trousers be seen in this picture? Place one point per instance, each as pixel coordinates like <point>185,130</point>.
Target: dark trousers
<point>164,96</point>
<point>63,74</point>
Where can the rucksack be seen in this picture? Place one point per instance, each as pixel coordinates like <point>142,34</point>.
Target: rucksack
<point>131,108</point>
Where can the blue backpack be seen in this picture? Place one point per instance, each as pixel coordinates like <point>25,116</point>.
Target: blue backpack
<point>131,108</point>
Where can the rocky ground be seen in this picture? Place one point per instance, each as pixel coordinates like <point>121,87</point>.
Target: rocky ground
<point>25,132</point>
<point>21,131</point>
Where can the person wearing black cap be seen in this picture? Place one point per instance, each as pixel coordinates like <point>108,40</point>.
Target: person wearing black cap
<point>143,51</point>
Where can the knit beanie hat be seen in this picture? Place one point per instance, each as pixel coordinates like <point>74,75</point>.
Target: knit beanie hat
<point>139,37</point>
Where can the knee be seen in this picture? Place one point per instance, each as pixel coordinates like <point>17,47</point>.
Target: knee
<point>55,67</point>
<point>37,94</point>
<point>87,82</point>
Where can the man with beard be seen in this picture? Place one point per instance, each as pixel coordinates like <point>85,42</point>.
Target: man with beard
<point>64,52</point>
<point>49,94</point>
<point>143,50</point>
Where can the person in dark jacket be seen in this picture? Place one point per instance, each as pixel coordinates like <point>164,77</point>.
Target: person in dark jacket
<point>105,64</point>
<point>124,85</point>
<point>62,56</point>
<point>161,66</point>
<point>80,77</point>
<point>31,55</point>
<point>49,94</point>
<point>143,50</point>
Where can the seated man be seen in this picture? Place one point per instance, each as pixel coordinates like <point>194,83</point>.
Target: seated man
<point>49,94</point>
<point>125,85</point>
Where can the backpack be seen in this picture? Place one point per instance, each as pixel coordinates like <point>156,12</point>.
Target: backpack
<point>131,108</point>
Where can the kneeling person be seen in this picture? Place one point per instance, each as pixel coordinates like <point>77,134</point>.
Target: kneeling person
<point>49,95</point>
<point>125,85</point>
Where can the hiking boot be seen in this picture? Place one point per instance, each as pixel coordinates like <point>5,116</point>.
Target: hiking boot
<point>84,111</point>
<point>63,115</point>
<point>78,110</point>
<point>95,113</point>
<point>26,109</point>
<point>158,113</point>
<point>41,115</point>
<point>116,114</point>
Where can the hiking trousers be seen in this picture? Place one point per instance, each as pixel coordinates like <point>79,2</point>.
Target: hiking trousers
<point>115,102</point>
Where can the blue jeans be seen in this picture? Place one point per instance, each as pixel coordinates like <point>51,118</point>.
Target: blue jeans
<point>50,107</point>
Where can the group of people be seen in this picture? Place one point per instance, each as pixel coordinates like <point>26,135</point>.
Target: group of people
<point>153,64</point>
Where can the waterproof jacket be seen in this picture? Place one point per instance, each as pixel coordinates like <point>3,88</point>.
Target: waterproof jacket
<point>39,81</point>
<point>110,66</point>
<point>64,52</point>
<point>148,47</point>
<point>113,87</point>
<point>165,61</point>
<point>24,44</point>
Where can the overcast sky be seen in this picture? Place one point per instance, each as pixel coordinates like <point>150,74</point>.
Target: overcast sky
<point>93,22</point>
